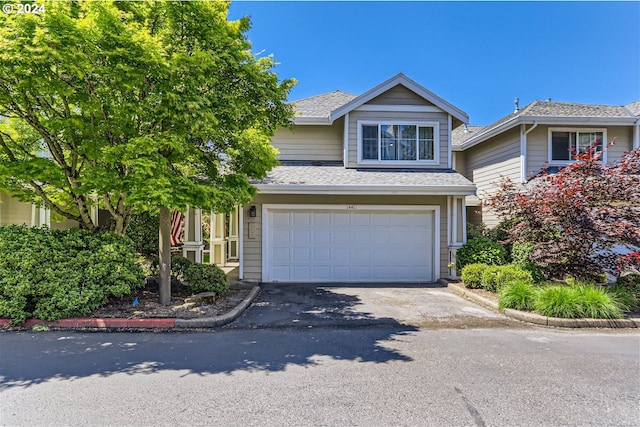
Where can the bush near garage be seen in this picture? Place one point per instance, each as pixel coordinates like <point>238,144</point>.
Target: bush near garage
<point>205,278</point>
<point>52,274</point>
<point>480,250</point>
<point>472,275</point>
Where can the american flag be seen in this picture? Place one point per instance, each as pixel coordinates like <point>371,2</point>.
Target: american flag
<point>177,223</point>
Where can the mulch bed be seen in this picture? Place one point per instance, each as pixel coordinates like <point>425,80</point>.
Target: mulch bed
<point>148,306</point>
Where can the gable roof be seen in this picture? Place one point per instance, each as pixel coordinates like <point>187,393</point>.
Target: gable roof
<point>328,107</point>
<point>634,108</point>
<point>320,106</point>
<point>558,113</point>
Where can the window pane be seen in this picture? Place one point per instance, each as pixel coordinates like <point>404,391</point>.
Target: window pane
<point>587,139</point>
<point>388,142</point>
<point>370,142</point>
<point>426,143</point>
<point>407,143</point>
<point>561,146</point>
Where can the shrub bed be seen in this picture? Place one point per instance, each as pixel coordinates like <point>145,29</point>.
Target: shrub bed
<point>51,274</point>
<point>518,295</point>
<point>480,250</point>
<point>205,278</point>
<point>472,275</point>
<point>577,301</point>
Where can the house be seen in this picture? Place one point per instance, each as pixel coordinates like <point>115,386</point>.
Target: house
<point>542,134</point>
<point>365,191</point>
<point>378,187</point>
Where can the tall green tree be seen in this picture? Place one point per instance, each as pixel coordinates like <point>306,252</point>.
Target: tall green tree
<point>134,106</point>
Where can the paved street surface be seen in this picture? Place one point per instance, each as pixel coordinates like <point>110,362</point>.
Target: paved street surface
<point>308,365</point>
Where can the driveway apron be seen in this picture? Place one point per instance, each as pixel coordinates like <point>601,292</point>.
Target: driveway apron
<point>362,305</point>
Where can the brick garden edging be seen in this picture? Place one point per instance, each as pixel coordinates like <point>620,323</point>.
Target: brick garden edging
<point>525,316</point>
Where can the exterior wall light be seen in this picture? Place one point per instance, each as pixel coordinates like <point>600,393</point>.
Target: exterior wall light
<point>253,211</point>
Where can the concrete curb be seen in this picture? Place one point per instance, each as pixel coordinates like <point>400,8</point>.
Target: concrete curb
<point>223,319</point>
<point>158,323</point>
<point>538,319</point>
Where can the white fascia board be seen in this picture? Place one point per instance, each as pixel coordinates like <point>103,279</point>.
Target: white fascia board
<point>434,190</point>
<point>409,84</point>
<point>312,121</point>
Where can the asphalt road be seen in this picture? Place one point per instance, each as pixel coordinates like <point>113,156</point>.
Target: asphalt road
<point>387,374</point>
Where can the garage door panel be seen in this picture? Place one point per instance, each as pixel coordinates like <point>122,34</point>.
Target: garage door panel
<point>321,255</point>
<point>338,245</point>
<point>300,273</point>
<point>301,218</point>
<point>301,255</point>
<point>341,218</point>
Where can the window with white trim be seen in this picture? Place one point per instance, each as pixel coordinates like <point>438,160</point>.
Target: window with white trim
<point>564,143</point>
<point>398,142</point>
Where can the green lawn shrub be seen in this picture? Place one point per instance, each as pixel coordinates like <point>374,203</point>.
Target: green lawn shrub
<point>627,290</point>
<point>511,272</point>
<point>481,250</point>
<point>179,265</point>
<point>490,278</point>
<point>205,278</point>
<point>472,275</point>
<point>521,256</point>
<point>518,295</point>
<point>51,274</point>
<point>577,301</point>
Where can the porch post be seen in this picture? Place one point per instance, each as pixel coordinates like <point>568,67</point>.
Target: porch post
<point>217,242</point>
<point>457,232</point>
<point>193,246</point>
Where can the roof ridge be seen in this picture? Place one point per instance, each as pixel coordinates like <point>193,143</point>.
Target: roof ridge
<point>324,94</point>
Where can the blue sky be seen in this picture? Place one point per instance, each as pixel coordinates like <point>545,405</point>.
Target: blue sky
<point>477,55</point>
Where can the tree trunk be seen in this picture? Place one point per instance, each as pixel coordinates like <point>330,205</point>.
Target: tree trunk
<point>165,256</point>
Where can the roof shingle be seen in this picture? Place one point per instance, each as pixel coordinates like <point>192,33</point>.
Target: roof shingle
<point>305,174</point>
<point>322,105</point>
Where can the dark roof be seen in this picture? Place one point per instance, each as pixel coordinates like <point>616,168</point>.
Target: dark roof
<point>327,174</point>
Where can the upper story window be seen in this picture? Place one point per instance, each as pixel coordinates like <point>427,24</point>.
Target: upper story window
<point>398,142</point>
<point>564,144</point>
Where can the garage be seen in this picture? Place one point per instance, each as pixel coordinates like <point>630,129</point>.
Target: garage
<point>349,243</point>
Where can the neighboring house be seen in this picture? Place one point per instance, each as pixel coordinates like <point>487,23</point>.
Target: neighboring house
<point>542,134</point>
<point>365,191</point>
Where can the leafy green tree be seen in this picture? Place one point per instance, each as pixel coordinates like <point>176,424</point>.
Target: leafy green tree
<point>134,106</point>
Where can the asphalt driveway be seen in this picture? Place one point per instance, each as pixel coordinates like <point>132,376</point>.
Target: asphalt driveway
<point>314,305</point>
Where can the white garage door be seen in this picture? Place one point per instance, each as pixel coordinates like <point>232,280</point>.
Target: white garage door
<point>337,244</point>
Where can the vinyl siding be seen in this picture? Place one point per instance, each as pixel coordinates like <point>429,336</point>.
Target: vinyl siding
<point>13,211</point>
<point>538,144</point>
<point>399,95</point>
<point>252,248</point>
<point>382,116</point>
<point>308,142</point>
<point>491,160</point>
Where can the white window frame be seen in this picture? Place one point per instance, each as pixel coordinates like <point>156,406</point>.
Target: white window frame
<point>577,131</point>
<point>436,142</point>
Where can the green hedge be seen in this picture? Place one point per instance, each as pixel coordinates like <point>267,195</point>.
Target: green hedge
<point>51,274</point>
<point>472,275</point>
<point>205,278</point>
<point>481,250</point>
